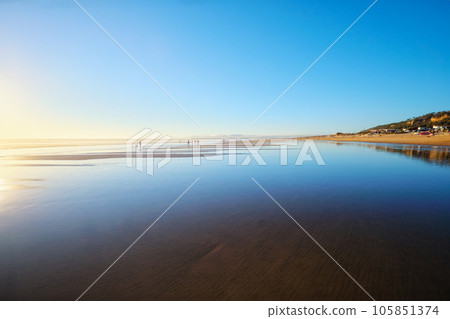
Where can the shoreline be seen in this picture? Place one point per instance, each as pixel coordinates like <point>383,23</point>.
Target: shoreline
<point>408,138</point>
<point>441,139</point>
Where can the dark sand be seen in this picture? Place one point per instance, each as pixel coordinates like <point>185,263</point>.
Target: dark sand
<point>244,249</point>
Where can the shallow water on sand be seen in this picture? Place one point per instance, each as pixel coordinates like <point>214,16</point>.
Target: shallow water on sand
<point>381,211</point>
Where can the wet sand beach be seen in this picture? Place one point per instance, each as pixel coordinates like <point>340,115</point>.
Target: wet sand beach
<point>441,139</point>
<point>61,227</point>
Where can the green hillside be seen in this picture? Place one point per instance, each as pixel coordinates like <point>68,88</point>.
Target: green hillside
<point>427,120</point>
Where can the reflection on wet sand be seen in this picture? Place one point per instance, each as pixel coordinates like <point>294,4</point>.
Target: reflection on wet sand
<point>225,240</point>
<point>432,154</point>
<point>7,184</point>
<point>45,165</point>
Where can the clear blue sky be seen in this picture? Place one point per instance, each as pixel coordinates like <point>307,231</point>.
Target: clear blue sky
<point>224,61</point>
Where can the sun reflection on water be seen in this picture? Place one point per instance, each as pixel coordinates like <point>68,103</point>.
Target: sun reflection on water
<point>2,188</point>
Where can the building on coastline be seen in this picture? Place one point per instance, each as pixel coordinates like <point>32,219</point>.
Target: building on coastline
<point>439,128</point>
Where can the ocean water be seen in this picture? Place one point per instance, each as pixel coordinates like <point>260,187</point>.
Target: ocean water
<point>381,211</point>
